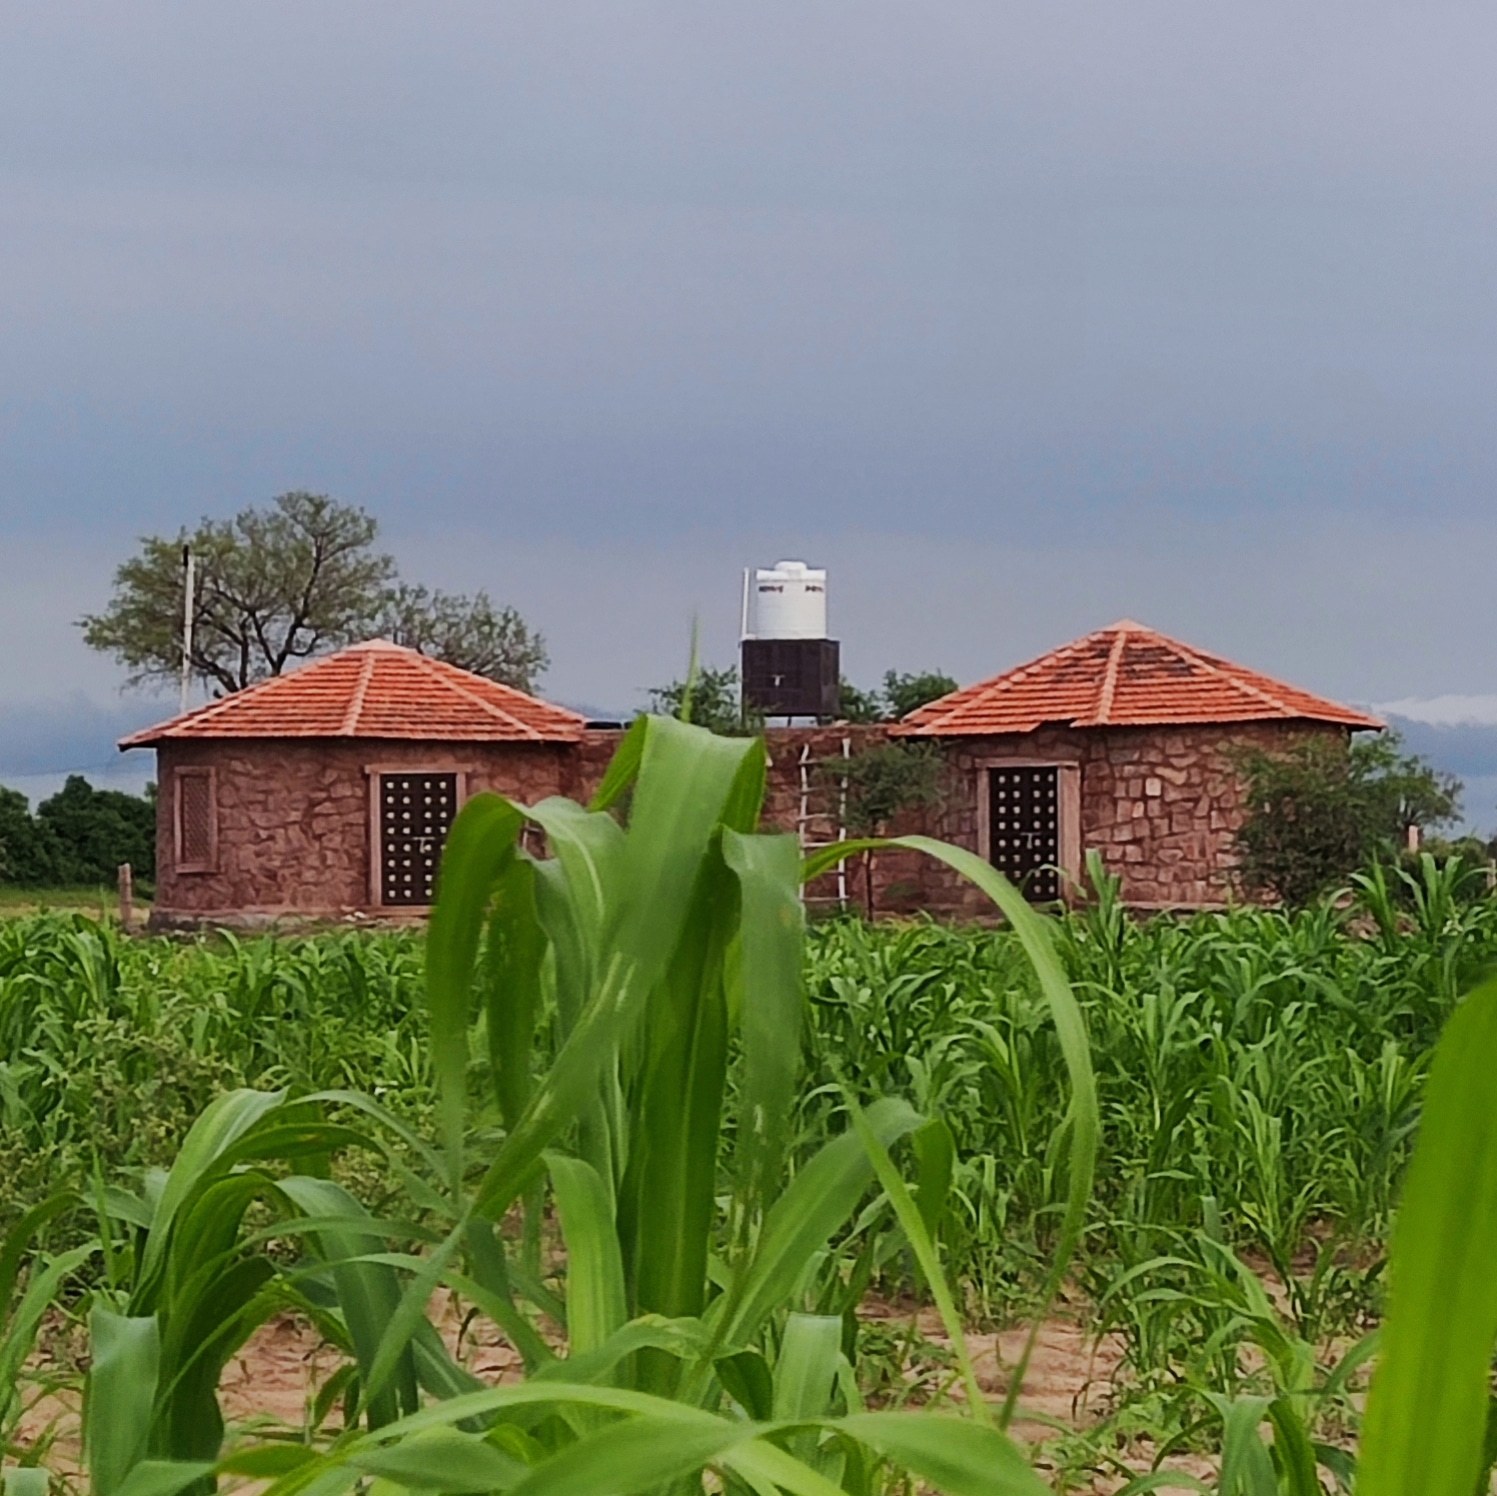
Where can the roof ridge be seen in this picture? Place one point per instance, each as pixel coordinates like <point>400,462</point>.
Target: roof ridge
<point>355,710</point>
<point>1110,675</point>
<point>428,665</point>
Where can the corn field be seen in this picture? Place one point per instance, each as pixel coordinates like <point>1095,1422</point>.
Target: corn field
<point>622,1106</point>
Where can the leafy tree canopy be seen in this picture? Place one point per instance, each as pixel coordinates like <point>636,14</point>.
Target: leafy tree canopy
<point>279,584</point>
<point>855,705</point>
<point>470,632</point>
<point>714,702</point>
<point>884,780</point>
<point>716,699</point>
<point>1322,810</point>
<point>906,693</point>
<point>79,835</point>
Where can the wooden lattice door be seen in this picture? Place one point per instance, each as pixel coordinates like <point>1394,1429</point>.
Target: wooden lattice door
<point>415,815</point>
<point>1024,829</point>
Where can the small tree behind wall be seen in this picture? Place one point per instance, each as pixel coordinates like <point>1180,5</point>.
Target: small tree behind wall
<point>1320,811</point>
<point>880,782</point>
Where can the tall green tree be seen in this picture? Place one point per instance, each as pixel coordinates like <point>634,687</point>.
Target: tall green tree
<point>282,583</point>
<point>80,835</point>
<point>28,853</point>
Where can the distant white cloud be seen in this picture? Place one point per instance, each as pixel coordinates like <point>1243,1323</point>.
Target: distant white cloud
<point>1443,711</point>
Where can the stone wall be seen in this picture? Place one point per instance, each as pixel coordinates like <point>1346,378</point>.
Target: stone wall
<point>1161,805</point>
<point>293,820</point>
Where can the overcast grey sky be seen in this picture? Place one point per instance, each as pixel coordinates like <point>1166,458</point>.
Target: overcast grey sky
<point>1017,317</point>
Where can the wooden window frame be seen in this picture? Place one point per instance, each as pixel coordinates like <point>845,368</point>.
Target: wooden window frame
<point>372,773</point>
<point>1068,810</point>
<point>179,775</point>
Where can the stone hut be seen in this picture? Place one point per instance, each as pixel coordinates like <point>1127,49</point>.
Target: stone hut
<point>326,793</point>
<point>1123,741</point>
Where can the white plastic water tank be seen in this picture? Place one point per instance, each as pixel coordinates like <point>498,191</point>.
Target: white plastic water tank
<point>789,602</point>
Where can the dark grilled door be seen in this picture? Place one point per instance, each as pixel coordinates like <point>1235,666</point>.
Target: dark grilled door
<point>1024,828</point>
<point>415,814</point>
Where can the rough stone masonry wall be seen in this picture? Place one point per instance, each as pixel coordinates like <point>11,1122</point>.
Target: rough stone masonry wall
<point>1161,804</point>
<point>293,820</point>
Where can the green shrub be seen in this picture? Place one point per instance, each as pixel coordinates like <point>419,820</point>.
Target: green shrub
<point>1325,808</point>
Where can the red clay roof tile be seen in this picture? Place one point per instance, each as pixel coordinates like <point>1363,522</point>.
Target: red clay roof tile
<point>1123,676</point>
<point>374,690</point>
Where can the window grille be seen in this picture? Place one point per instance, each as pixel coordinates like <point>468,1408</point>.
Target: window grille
<point>197,830</point>
<point>415,814</point>
<point>1024,829</point>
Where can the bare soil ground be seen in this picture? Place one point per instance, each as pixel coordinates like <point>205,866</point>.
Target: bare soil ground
<point>271,1384</point>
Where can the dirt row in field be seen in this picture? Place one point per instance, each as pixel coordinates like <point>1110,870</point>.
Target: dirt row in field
<point>272,1382</point>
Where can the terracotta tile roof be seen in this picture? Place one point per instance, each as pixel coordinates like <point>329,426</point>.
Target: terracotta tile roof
<point>374,690</point>
<point>1123,676</point>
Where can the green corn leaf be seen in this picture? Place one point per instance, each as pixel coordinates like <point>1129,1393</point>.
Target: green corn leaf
<point>589,846</point>
<point>747,1379</point>
<point>479,847</point>
<point>24,1480</point>
<point>18,1242</point>
<point>935,1167</point>
<point>1034,934</point>
<point>513,953</point>
<point>805,1371</point>
<point>689,783</point>
<point>266,1460</point>
<point>18,1335</point>
<point>165,1477</point>
<point>1163,1480</point>
<point>800,1223</point>
<point>205,1323</point>
<point>924,1248</point>
<point>623,767</point>
<point>489,1266</point>
<point>220,1126</point>
<point>767,1468</point>
<point>1294,1452</point>
<point>955,1455</point>
<point>125,1362</point>
<point>1246,1469</point>
<point>393,1354</point>
<point>667,1199</point>
<point>576,893</point>
<point>368,1292</point>
<point>596,1303</point>
<point>292,1140</point>
<point>636,1454</point>
<point>771,978</point>
<point>681,1338</point>
<point>438,1374</point>
<point>387,1119</point>
<point>443,1460</point>
<point>1427,1408</point>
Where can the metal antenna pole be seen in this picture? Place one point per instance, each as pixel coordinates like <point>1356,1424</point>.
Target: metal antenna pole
<point>186,624</point>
